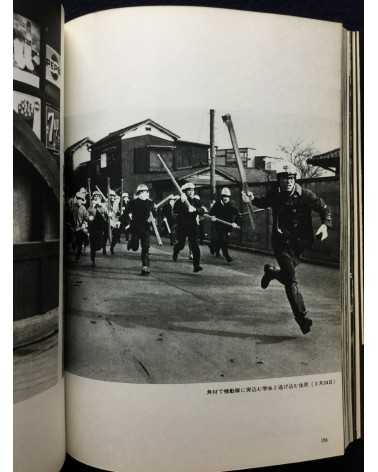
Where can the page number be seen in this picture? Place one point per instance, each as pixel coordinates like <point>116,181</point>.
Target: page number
<point>323,440</point>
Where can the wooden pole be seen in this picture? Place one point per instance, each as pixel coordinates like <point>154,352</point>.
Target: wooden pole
<point>89,189</point>
<point>156,231</point>
<point>165,200</point>
<point>173,180</point>
<point>121,201</point>
<point>243,178</point>
<point>223,222</point>
<point>213,184</point>
<point>109,211</point>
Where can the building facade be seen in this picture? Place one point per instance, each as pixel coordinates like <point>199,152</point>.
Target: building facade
<point>36,147</point>
<point>130,155</point>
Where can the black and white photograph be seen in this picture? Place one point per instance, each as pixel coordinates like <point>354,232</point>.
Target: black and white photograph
<point>202,201</point>
<point>26,50</point>
<point>36,215</point>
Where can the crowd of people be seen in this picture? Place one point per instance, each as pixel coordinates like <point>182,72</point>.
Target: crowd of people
<point>99,222</point>
<point>95,220</point>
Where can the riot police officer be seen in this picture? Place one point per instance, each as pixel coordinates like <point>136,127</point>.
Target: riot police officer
<point>227,211</point>
<point>142,211</point>
<point>186,210</point>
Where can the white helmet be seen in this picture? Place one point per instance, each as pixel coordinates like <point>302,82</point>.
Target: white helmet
<point>287,174</point>
<point>142,188</point>
<point>187,186</point>
<point>226,192</point>
<point>125,194</point>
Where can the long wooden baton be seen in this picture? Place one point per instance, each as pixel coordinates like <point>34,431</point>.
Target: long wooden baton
<point>243,178</point>
<point>99,190</point>
<point>167,225</point>
<point>109,227</point>
<point>121,201</point>
<point>171,176</point>
<point>89,190</point>
<point>165,200</point>
<point>174,181</point>
<point>153,222</point>
<point>218,220</point>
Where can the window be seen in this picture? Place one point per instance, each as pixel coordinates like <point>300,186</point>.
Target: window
<point>103,160</point>
<point>231,160</point>
<point>183,157</point>
<point>154,163</point>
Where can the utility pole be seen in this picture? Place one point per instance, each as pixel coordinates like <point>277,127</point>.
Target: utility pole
<point>213,185</point>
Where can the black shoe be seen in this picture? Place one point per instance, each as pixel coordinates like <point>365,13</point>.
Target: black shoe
<point>93,264</point>
<point>104,252</point>
<point>268,276</point>
<point>229,258</point>
<point>174,257</point>
<point>197,268</point>
<point>112,250</point>
<point>145,270</point>
<point>304,324</point>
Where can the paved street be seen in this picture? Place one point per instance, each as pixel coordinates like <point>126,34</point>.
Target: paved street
<point>179,327</point>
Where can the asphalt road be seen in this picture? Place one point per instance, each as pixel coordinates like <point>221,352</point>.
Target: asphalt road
<point>179,327</point>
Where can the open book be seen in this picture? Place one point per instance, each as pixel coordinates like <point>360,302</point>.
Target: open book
<point>187,248</point>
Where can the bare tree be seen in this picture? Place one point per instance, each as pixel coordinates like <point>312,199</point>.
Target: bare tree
<point>298,153</point>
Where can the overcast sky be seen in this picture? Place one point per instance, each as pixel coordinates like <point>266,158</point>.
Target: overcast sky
<point>278,76</point>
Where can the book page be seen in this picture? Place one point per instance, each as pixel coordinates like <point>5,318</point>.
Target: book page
<point>203,323</point>
<point>38,386</point>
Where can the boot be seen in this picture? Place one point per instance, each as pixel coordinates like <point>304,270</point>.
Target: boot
<point>268,275</point>
<point>304,323</point>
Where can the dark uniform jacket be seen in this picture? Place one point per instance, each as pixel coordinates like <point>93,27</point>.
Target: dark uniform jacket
<point>98,217</point>
<point>97,225</point>
<point>224,211</point>
<point>167,212</point>
<point>181,211</point>
<point>140,211</point>
<point>292,214</point>
<point>124,215</point>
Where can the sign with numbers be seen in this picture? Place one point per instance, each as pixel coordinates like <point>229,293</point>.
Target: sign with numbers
<point>52,129</point>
